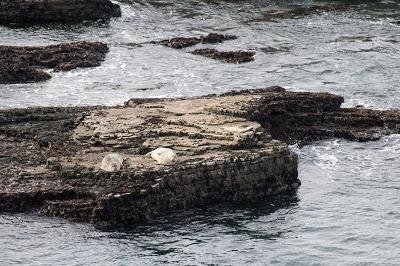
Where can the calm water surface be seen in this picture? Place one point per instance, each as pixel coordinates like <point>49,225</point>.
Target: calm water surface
<point>347,211</point>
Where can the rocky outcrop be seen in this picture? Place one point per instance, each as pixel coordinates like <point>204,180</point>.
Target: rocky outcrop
<point>39,11</point>
<point>26,64</point>
<point>183,42</point>
<point>52,157</point>
<point>234,57</point>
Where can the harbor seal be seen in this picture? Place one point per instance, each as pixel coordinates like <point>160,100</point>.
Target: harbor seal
<point>164,156</point>
<point>112,162</point>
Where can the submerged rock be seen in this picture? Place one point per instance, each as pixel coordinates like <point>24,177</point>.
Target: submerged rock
<point>50,156</point>
<point>21,64</point>
<point>234,57</point>
<point>183,42</point>
<point>38,11</point>
<point>297,12</point>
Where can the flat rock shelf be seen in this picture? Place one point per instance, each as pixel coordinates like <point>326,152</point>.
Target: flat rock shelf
<point>227,147</point>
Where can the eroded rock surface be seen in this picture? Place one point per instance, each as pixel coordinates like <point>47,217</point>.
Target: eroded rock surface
<point>234,57</point>
<point>38,11</point>
<point>26,64</point>
<point>51,157</point>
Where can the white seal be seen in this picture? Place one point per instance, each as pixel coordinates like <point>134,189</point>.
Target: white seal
<point>164,155</point>
<point>112,162</point>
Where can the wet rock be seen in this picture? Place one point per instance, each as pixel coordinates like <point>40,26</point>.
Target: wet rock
<point>26,64</point>
<point>234,57</point>
<point>297,12</point>
<point>396,22</point>
<point>183,42</point>
<point>38,11</point>
<point>17,72</point>
<point>231,148</point>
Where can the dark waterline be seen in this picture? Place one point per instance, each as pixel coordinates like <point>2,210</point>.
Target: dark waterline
<point>347,210</point>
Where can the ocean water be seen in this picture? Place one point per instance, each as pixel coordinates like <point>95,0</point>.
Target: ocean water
<point>347,210</point>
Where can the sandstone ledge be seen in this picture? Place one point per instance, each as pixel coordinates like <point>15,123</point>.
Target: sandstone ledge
<point>50,161</point>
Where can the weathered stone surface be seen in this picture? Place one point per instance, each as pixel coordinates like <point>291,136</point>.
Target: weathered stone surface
<point>37,11</point>
<point>25,64</point>
<point>183,42</point>
<point>234,57</point>
<point>51,157</point>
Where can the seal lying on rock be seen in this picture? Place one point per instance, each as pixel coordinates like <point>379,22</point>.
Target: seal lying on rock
<point>164,156</point>
<point>112,162</point>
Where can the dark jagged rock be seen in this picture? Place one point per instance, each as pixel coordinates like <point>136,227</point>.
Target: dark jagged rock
<point>51,157</point>
<point>16,72</point>
<point>396,22</point>
<point>183,42</point>
<point>298,12</point>
<point>39,11</point>
<point>25,64</point>
<point>235,57</point>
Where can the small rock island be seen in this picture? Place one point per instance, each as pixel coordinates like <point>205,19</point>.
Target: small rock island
<point>65,11</point>
<point>231,147</point>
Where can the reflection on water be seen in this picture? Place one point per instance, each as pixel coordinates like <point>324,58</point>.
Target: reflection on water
<point>346,210</point>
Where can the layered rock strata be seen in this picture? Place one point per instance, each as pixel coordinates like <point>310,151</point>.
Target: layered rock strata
<point>26,64</point>
<point>51,158</point>
<point>39,11</point>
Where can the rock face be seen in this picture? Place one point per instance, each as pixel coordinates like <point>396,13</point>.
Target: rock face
<point>51,157</point>
<point>38,11</point>
<point>26,64</point>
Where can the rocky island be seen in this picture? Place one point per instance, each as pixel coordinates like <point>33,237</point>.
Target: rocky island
<point>43,11</point>
<point>229,148</point>
<point>23,64</point>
